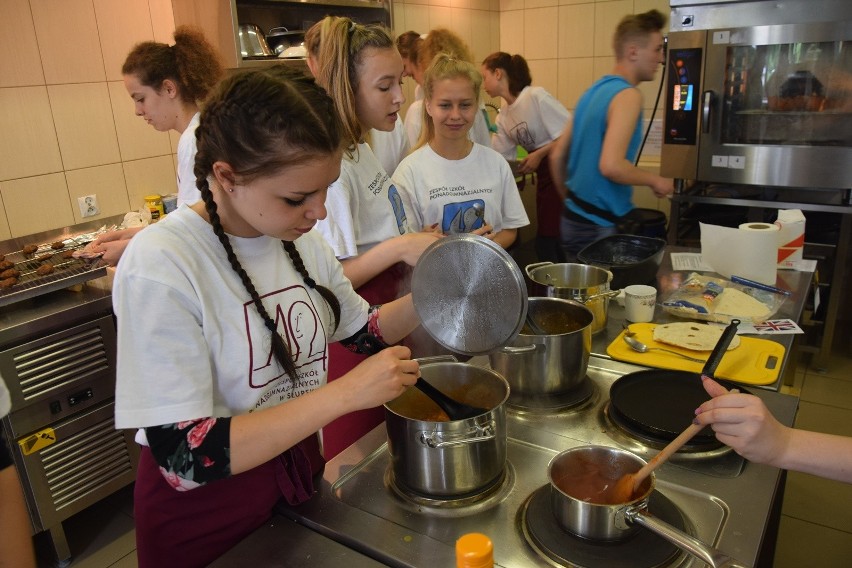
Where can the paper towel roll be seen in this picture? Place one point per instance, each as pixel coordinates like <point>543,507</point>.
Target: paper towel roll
<point>750,251</point>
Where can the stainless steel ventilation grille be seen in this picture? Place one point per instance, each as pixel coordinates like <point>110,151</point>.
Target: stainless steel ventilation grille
<point>67,360</point>
<point>79,465</point>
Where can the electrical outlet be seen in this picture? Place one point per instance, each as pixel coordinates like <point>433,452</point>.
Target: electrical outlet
<point>88,205</point>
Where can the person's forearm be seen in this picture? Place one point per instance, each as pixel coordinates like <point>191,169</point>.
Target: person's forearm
<point>505,238</point>
<point>364,267</point>
<point>559,159</point>
<point>16,544</point>
<point>397,319</point>
<point>825,455</point>
<point>624,172</point>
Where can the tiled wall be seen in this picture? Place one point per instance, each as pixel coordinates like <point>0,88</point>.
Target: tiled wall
<point>67,123</point>
<point>68,127</point>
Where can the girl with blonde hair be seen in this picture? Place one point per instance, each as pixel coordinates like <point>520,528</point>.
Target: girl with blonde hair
<point>460,185</point>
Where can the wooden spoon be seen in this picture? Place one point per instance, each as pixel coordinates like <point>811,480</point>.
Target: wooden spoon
<point>626,487</point>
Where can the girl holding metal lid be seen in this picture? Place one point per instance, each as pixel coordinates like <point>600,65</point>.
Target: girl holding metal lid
<point>367,223</point>
<point>461,186</point>
<point>531,118</point>
<point>226,373</point>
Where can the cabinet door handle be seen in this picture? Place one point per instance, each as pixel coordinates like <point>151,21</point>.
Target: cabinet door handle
<point>707,103</point>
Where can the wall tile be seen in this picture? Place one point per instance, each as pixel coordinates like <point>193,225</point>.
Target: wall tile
<point>662,6</point>
<point>649,91</point>
<point>507,5</point>
<point>466,4</point>
<point>574,77</point>
<point>545,74</point>
<point>481,5</point>
<point>800,543</point>
<point>603,66</point>
<point>28,145</point>
<point>151,175</point>
<point>440,17</point>
<point>68,41</point>
<point>20,64</point>
<point>540,31</point>
<point>577,31</point>
<point>416,18</point>
<point>512,31</point>
<point>162,20</point>
<point>461,24</point>
<point>480,35</point>
<point>5,233</point>
<point>446,3</point>
<point>121,25</point>
<point>84,124</point>
<point>528,4</point>
<point>566,2</point>
<point>36,204</point>
<point>607,16</point>
<point>136,138</point>
<point>106,182</point>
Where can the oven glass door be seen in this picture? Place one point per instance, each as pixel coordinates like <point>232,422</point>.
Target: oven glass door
<point>778,105</point>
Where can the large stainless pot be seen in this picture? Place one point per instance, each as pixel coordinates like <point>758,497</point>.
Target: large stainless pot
<point>253,42</point>
<point>449,459</point>
<point>577,476</point>
<point>582,283</point>
<point>553,363</point>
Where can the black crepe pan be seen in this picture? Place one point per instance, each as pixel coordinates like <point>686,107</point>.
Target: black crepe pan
<point>661,403</point>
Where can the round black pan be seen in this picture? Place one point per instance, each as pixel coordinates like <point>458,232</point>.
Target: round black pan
<point>660,403</point>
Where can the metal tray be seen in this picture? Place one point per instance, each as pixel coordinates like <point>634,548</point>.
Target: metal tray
<point>67,272</point>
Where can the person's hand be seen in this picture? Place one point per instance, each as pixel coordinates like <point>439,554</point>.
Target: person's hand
<point>744,423</point>
<point>530,164</point>
<point>485,230</point>
<point>663,187</point>
<point>113,243</point>
<point>415,243</point>
<point>381,377</point>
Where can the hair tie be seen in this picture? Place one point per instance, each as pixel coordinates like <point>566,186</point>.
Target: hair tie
<point>351,27</point>
<point>310,282</point>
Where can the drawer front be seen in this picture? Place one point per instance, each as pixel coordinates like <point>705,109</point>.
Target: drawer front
<point>60,374</point>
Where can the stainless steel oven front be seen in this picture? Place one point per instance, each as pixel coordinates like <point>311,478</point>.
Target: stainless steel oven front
<point>765,104</point>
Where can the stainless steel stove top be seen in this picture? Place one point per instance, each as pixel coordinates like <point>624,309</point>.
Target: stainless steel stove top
<point>723,505</point>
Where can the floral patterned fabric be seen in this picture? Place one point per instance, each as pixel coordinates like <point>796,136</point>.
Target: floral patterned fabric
<point>192,453</point>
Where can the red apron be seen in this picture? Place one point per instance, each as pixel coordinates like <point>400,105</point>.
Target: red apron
<point>341,433</point>
<point>194,528</point>
<point>548,204</point>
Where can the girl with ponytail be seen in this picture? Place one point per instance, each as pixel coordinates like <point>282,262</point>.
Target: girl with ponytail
<point>225,310</point>
<point>531,118</point>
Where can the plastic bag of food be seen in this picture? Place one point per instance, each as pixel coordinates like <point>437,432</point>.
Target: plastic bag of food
<point>718,299</point>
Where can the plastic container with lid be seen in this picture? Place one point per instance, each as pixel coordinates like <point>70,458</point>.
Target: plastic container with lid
<point>154,203</point>
<point>474,550</point>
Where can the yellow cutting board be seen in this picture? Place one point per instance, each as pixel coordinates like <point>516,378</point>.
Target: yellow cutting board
<point>754,362</point>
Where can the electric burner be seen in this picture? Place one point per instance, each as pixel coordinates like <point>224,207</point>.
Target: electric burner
<point>659,442</point>
<point>640,550</point>
<point>495,489</point>
<point>578,398</point>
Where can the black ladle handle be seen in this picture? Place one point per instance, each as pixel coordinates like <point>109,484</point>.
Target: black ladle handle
<point>455,410</point>
<point>719,350</point>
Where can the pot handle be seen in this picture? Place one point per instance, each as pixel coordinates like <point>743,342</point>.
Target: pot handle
<point>530,267</point>
<point>522,350</point>
<point>608,294</point>
<point>692,545</point>
<point>479,433</point>
<point>277,29</point>
<point>437,359</point>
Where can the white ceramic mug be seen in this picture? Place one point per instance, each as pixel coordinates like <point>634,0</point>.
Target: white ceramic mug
<point>639,303</point>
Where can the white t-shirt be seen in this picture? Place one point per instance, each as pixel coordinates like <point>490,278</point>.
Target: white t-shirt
<point>479,133</point>
<point>460,194</point>
<point>390,147</point>
<point>364,208</point>
<point>191,343</point>
<point>187,191</point>
<point>533,120</point>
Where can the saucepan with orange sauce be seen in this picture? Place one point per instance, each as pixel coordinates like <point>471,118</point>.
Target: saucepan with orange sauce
<point>581,484</point>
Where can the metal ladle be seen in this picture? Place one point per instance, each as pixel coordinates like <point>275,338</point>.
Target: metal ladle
<point>637,345</point>
<point>456,410</point>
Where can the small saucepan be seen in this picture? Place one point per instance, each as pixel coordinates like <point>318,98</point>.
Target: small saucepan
<point>578,478</point>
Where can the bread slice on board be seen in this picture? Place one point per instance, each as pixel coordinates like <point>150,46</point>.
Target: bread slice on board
<point>691,335</point>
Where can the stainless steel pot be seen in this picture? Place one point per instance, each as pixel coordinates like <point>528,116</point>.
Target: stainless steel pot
<point>280,39</point>
<point>449,459</point>
<point>582,283</point>
<point>253,42</point>
<point>553,363</point>
<point>578,474</point>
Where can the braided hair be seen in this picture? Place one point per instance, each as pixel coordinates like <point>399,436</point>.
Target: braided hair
<point>260,123</point>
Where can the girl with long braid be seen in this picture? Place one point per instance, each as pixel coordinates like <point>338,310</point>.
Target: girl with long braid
<point>225,310</point>
<point>367,226</point>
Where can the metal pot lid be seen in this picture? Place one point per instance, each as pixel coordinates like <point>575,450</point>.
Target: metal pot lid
<point>469,293</point>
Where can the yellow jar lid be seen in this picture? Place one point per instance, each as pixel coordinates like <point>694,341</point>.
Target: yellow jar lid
<point>154,197</point>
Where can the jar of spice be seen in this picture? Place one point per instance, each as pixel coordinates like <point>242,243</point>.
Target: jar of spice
<point>154,203</point>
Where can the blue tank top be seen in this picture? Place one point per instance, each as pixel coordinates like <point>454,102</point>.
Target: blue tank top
<point>583,174</point>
